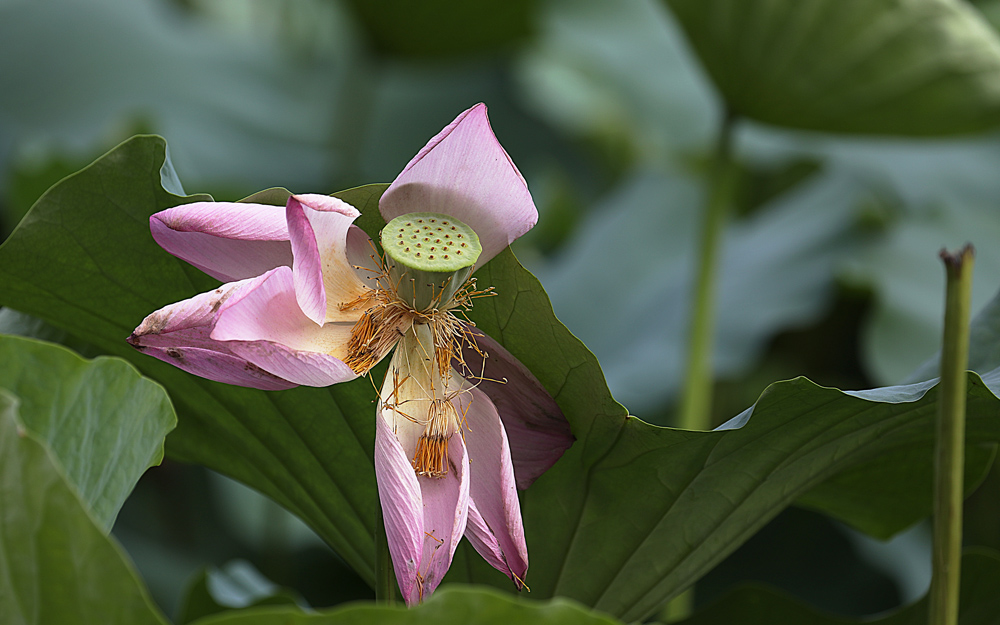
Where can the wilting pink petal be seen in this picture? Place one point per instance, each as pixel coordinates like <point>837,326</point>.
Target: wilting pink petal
<point>424,517</point>
<point>446,508</point>
<point>361,255</point>
<point>484,541</point>
<point>492,485</point>
<point>402,508</point>
<point>228,241</point>
<point>537,430</point>
<point>265,326</point>
<point>465,172</point>
<point>179,334</point>
<point>324,278</point>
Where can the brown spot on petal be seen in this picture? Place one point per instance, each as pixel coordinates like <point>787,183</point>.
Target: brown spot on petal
<point>134,341</point>
<point>249,367</point>
<point>223,296</point>
<point>252,368</point>
<point>153,324</point>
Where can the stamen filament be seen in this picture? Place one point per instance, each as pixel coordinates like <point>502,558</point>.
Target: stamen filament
<point>431,457</point>
<point>431,341</point>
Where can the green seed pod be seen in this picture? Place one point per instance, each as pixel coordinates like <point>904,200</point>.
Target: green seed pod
<point>429,256</point>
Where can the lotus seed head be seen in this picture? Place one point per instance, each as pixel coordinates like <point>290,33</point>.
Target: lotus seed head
<point>423,228</point>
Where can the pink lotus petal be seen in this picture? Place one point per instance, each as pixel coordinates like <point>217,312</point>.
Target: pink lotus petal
<point>324,278</point>
<point>228,241</point>
<point>465,172</point>
<point>484,541</point>
<point>424,517</point>
<point>537,430</point>
<point>216,365</point>
<point>402,509</point>
<point>492,485</point>
<point>265,325</point>
<point>446,508</point>
<point>301,367</point>
<point>179,334</point>
<point>199,311</point>
<point>361,255</point>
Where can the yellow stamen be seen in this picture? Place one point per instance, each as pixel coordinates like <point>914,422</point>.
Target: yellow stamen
<point>432,342</point>
<point>377,331</point>
<point>431,456</point>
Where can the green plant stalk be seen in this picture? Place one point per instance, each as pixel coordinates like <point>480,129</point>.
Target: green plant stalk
<point>385,593</point>
<point>949,452</point>
<point>696,401</point>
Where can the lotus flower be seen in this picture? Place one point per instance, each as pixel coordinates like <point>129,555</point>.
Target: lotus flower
<point>306,301</point>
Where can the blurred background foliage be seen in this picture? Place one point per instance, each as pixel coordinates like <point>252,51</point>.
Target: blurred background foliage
<point>829,268</point>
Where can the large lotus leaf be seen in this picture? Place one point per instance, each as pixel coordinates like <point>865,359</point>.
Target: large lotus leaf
<point>56,564</point>
<point>695,496</point>
<point>450,604</point>
<point>624,284</point>
<point>111,65</point>
<point>83,260</point>
<point>104,423</point>
<point>617,71</point>
<point>876,480</point>
<point>904,269</point>
<point>990,10</point>
<point>19,324</point>
<point>870,497</point>
<point>927,194</point>
<point>910,171</point>
<point>236,585</point>
<point>444,27</point>
<point>979,603</point>
<point>921,67</point>
<point>577,73</point>
<point>629,517</point>
<point>948,197</point>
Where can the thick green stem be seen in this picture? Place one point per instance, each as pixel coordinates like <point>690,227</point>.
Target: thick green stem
<point>696,403</point>
<point>385,593</point>
<point>949,452</point>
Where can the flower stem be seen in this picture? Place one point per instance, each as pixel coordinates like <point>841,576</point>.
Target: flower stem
<point>384,591</point>
<point>949,452</point>
<point>696,402</point>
